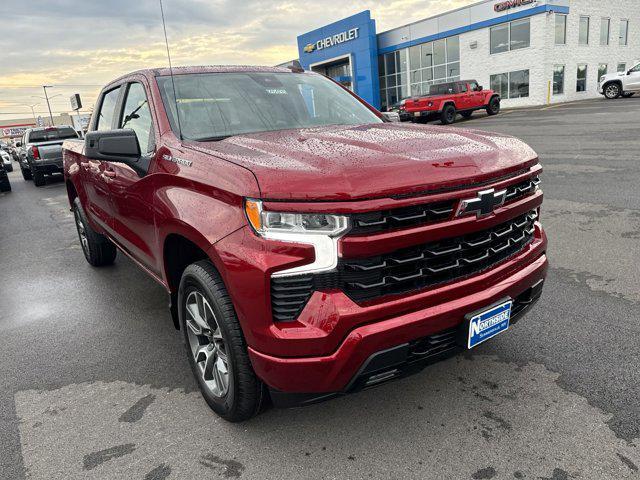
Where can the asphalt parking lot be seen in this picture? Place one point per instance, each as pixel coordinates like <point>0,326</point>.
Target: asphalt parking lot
<point>94,382</point>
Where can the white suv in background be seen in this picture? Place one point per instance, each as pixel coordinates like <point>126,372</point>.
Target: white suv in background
<point>626,83</point>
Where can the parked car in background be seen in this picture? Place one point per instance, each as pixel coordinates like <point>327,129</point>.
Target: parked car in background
<point>42,152</point>
<point>625,84</point>
<point>309,248</point>
<point>6,160</point>
<point>5,184</point>
<point>398,108</point>
<point>446,100</point>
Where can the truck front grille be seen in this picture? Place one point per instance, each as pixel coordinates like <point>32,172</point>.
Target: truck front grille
<point>407,270</point>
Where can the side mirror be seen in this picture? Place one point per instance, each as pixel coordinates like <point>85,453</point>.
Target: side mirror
<point>113,146</point>
<point>479,88</point>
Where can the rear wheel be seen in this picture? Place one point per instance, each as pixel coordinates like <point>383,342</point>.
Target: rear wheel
<point>612,91</point>
<point>215,345</point>
<point>97,249</point>
<point>493,108</point>
<point>448,115</point>
<point>38,178</point>
<point>26,174</point>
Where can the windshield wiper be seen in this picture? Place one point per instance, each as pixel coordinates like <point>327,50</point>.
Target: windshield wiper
<point>216,138</point>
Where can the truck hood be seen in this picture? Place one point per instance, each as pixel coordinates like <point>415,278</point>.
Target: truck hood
<point>370,161</point>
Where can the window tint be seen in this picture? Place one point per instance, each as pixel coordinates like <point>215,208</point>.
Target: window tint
<point>558,80</point>
<point>462,87</point>
<point>604,31</point>
<point>520,34</point>
<point>583,33</point>
<point>137,116</point>
<point>52,133</point>
<point>473,86</point>
<point>624,32</point>
<point>107,109</point>
<point>581,83</point>
<point>635,69</point>
<point>561,29</point>
<point>500,38</point>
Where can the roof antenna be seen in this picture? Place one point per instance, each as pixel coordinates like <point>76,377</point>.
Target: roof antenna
<point>173,83</point>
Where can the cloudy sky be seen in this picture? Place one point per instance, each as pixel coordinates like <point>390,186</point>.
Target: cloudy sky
<point>78,46</point>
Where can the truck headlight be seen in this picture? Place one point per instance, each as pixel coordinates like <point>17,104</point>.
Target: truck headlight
<point>318,229</point>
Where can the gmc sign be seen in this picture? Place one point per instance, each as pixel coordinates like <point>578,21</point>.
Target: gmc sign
<point>502,6</point>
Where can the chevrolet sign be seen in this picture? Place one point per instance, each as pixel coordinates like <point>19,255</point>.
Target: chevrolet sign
<point>502,6</point>
<point>333,40</point>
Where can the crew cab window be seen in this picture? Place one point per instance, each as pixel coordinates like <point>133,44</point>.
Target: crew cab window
<point>462,88</point>
<point>211,106</point>
<point>137,116</point>
<point>108,109</point>
<point>473,86</point>
<point>635,69</point>
<point>442,89</point>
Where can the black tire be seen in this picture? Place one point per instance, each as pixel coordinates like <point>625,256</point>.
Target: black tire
<point>628,94</point>
<point>26,174</point>
<point>97,248</point>
<point>38,178</point>
<point>493,108</point>
<point>245,394</point>
<point>5,186</point>
<point>448,115</point>
<point>612,91</point>
<point>9,168</point>
<point>466,114</point>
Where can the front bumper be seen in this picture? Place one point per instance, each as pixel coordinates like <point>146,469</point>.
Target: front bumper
<point>338,372</point>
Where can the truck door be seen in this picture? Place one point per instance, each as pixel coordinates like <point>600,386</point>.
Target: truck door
<point>132,215</point>
<point>98,204</point>
<point>476,98</point>
<point>632,81</point>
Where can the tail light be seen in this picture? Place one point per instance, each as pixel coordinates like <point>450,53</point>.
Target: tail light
<point>35,152</point>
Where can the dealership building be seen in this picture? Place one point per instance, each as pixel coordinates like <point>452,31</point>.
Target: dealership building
<point>530,51</point>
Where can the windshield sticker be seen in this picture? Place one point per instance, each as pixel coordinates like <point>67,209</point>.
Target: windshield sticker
<point>276,91</point>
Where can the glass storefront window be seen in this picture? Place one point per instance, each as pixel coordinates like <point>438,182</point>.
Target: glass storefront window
<point>558,80</point>
<point>605,24</point>
<point>581,83</point>
<point>500,38</point>
<point>439,52</point>
<point>561,29</point>
<point>440,72</point>
<point>622,67</point>
<point>583,32</point>
<point>453,49</point>
<point>390,63</point>
<point>512,84</point>
<point>520,34</point>
<point>453,69</point>
<point>624,32</point>
<point>414,57</point>
<point>427,54</point>
<point>602,70</point>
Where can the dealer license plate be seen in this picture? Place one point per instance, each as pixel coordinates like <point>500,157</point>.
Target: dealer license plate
<point>489,323</point>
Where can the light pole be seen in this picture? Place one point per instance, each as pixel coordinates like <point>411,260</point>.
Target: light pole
<point>44,87</point>
<point>47,98</point>
<point>32,111</point>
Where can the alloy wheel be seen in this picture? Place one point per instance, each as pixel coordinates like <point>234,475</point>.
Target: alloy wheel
<point>82,232</point>
<point>612,91</point>
<point>207,343</point>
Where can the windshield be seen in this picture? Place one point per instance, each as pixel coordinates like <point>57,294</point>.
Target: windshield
<point>217,105</point>
<point>52,134</point>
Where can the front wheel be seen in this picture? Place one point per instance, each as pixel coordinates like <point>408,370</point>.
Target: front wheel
<point>97,249</point>
<point>493,108</point>
<point>448,115</point>
<point>215,345</point>
<point>612,91</point>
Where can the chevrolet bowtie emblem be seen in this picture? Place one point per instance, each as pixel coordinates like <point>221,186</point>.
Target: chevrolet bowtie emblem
<point>309,48</point>
<point>484,203</point>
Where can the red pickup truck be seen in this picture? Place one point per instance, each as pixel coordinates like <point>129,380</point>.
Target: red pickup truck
<point>446,100</point>
<point>309,247</point>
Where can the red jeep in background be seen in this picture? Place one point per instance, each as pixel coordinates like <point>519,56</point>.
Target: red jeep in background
<point>309,247</point>
<point>446,100</point>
